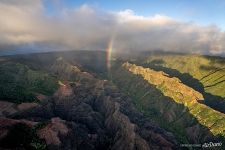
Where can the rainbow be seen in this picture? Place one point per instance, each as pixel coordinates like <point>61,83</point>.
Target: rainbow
<point>109,53</point>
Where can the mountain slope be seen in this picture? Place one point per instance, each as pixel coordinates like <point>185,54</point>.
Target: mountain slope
<point>160,96</point>
<point>85,105</point>
<point>87,113</point>
<point>203,73</point>
<point>19,83</point>
<point>210,71</point>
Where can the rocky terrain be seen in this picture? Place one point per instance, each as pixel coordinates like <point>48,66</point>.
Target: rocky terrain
<point>84,113</point>
<point>72,100</point>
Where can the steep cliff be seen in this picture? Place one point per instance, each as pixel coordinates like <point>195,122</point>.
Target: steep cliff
<point>203,73</point>
<point>170,102</point>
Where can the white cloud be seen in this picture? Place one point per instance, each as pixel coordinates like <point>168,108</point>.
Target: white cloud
<point>24,23</point>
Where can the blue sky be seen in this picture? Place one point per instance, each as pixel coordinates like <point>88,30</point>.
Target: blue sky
<point>203,12</point>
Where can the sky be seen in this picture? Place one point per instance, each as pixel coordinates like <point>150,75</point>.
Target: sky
<point>203,12</point>
<point>195,26</point>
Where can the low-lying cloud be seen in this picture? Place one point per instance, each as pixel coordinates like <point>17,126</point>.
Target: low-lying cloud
<point>25,24</point>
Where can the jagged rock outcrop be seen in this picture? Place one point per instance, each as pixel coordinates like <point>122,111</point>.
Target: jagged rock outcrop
<point>88,113</point>
<point>54,132</point>
<point>8,109</point>
<point>15,133</point>
<point>99,106</point>
<point>133,111</point>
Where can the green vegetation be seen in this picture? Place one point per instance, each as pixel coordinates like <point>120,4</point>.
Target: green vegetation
<point>24,76</point>
<point>18,83</point>
<point>170,90</point>
<point>204,74</point>
<point>169,102</point>
<point>183,94</point>
<point>210,71</point>
<point>149,100</point>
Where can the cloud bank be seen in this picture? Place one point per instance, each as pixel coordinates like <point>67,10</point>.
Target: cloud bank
<point>25,25</point>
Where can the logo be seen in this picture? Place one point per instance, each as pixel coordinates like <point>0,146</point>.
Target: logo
<point>211,144</point>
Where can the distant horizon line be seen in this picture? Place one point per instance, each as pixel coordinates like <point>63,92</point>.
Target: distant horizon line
<point>24,52</point>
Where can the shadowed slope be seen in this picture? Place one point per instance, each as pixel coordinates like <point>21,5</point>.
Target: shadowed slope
<point>208,70</point>
<point>184,115</point>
